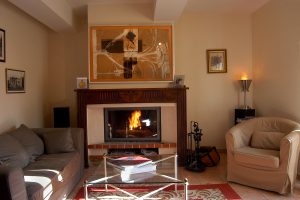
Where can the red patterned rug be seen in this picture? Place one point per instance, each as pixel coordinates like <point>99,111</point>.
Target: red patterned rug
<point>195,192</point>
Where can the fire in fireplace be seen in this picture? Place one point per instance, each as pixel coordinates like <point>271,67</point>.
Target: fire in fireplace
<point>132,124</point>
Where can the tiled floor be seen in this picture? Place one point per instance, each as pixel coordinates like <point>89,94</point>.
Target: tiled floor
<point>218,175</point>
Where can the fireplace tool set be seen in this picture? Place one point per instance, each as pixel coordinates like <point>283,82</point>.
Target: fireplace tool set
<point>199,157</point>
<point>194,162</point>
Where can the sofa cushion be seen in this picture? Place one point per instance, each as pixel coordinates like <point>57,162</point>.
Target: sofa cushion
<point>32,143</point>
<point>266,140</point>
<point>12,153</point>
<point>58,141</point>
<point>257,157</point>
<point>50,173</point>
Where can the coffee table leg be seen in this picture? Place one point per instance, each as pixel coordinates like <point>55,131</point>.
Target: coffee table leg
<point>186,183</point>
<point>105,170</point>
<point>176,170</point>
<point>86,196</point>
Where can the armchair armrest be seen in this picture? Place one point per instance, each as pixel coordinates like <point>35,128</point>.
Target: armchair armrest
<point>12,183</point>
<point>289,149</point>
<point>237,137</point>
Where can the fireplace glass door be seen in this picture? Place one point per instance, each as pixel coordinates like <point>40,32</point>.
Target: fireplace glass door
<point>132,124</point>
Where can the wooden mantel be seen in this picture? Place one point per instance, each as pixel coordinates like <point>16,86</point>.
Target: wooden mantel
<point>136,95</point>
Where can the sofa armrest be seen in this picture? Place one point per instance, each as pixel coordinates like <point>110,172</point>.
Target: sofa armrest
<point>78,139</point>
<point>12,183</point>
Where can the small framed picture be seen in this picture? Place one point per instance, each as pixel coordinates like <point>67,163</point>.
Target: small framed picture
<point>216,60</point>
<point>2,45</point>
<point>178,81</point>
<point>15,81</point>
<point>82,83</point>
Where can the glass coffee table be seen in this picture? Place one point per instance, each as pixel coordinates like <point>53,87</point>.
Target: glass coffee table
<point>109,176</point>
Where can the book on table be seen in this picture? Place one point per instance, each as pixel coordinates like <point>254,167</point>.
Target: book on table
<point>137,177</point>
<point>132,165</point>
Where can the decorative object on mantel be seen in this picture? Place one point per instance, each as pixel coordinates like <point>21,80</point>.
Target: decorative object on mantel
<point>130,53</point>
<point>178,81</point>
<point>2,45</point>
<point>15,81</point>
<point>245,84</point>
<point>216,60</point>
<point>82,82</point>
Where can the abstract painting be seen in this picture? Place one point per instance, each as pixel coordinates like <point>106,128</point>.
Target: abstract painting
<point>130,53</point>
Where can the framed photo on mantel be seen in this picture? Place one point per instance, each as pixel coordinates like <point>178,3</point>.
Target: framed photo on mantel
<point>216,60</point>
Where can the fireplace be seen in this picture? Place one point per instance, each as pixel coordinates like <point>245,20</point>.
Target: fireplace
<point>132,124</point>
<point>90,97</point>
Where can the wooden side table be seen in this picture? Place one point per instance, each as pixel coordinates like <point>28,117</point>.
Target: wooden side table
<point>243,114</point>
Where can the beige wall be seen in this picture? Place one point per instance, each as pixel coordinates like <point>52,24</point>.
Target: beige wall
<point>68,59</point>
<point>213,97</point>
<point>276,58</point>
<point>26,49</point>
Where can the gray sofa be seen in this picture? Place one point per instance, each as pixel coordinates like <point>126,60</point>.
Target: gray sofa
<point>44,163</point>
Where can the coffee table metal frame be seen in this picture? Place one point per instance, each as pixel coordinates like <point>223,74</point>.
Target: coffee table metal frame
<point>105,180</point>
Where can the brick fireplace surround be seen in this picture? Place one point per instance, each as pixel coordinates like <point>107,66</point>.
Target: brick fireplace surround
<point>136,95</point>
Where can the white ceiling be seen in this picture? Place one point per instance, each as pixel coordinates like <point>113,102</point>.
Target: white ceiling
<point>56,13</point>
<point>203,6</point>
<point>225,6</point>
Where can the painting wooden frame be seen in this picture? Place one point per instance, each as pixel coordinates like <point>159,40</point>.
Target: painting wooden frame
<point>130,54</point>
<point>15,81</point>
<point>216,60</point>
<point>2,45</point>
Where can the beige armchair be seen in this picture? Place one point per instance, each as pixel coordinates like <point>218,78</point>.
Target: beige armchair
<point>263,153</point>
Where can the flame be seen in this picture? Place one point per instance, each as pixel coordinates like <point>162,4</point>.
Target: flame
<point>134,121</point>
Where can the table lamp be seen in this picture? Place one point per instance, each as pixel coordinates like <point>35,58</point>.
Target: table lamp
<point>245,83</point>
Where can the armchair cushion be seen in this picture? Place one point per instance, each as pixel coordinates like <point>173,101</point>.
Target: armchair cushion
<point>257,157</point>
<point>266,140</point>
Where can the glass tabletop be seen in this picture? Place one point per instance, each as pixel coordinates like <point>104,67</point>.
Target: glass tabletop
<point>160,169</point>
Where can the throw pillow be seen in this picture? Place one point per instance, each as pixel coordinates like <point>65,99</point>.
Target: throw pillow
<point>32,143</point>
<point>12,153</point>
<point>266,140</point>
<point>58,141</point>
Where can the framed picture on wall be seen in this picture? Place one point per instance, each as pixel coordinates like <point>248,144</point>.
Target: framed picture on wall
<point>2,45</point>
<point>15,81</point>
<point>130,53</point>
<point>216,60</point>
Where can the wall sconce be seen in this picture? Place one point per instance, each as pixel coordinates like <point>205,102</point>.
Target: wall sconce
<point>245,84</point>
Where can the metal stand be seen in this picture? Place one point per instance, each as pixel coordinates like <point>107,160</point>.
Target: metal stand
<point>194,162</point>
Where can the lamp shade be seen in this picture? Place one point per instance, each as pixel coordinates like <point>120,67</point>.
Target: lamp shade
<point>245,85</point>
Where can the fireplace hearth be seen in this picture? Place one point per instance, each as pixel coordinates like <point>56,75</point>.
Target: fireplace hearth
<point>132,124</point>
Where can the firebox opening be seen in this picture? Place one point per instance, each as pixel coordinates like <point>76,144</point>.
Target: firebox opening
<point>132,124</point>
